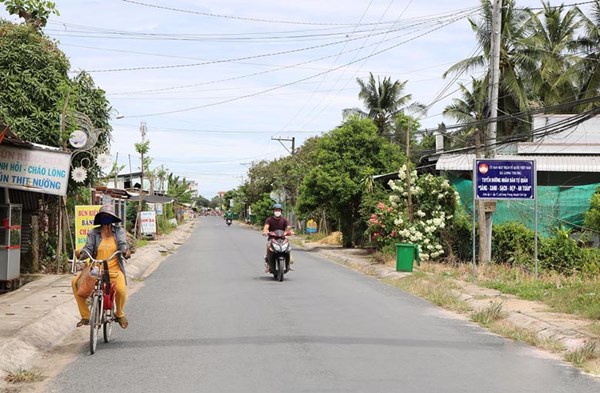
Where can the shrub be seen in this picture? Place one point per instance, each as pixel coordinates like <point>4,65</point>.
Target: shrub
<point>457,238</point>
<point>434,201</point>
<point>513,243</point>
<point>561,253</point>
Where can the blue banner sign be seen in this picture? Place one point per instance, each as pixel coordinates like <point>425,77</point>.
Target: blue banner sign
<point>504,179</point>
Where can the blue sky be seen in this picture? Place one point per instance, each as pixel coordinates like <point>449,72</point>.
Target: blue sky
<point>215,81</point>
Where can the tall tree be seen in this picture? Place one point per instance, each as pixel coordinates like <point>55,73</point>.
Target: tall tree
<point>588,68</point>
<point>344,158</point>
<point>471,110</point>
<point>514,57</point>
<point>383,100</point>
<point>34,12</point>
<point>552,39</point>
<point>33,84</point>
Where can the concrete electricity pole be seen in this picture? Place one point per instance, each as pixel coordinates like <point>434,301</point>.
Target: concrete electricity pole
<point>490,138</point>
<point>293,140</point>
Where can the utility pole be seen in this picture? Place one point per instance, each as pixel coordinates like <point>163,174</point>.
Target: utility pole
<point>293,140</point>
<point>143,131</point>
<point>490,138</point>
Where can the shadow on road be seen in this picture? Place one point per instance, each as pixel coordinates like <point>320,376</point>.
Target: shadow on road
<point>325,340</point>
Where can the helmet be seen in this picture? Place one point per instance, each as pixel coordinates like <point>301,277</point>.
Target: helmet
<point>277,206</point>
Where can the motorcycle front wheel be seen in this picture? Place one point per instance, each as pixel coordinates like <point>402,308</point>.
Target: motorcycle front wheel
<point>280,268</point>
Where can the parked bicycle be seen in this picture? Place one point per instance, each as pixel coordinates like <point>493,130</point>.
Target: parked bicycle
<point>102,308</point>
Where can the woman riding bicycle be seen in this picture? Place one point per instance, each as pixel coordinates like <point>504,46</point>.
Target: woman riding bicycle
<point>101,243</point>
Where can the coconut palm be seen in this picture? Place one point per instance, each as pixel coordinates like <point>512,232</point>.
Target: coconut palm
<point>471,110</point>
<point>552,39</point>
<point>383,100</point>
<point>588,68</point>
<point>513,58</point>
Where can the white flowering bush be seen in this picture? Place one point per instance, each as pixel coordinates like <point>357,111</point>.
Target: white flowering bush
<point>434,201</point>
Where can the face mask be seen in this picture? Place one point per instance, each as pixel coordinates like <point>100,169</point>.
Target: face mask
<point>277,214</point>
<point>106,220</point>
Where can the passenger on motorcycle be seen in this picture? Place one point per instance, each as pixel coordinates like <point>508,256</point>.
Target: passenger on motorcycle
<point>101,243</point>
<point>273,223</point>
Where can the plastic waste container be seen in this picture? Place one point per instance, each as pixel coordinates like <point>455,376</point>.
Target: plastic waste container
<point>406,254</point>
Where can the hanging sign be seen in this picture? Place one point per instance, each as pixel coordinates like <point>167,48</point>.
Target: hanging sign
<point>45,171</point>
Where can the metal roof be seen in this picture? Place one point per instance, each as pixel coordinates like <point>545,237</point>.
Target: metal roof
<point>544,163</point>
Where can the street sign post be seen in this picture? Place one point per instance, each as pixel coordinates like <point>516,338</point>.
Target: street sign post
<point>498,179</point>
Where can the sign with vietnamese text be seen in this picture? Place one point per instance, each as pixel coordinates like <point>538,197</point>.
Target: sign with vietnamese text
<point>504,179</point>
<point>148,219</point>
<point>42,171</point>
<point>84,222</point>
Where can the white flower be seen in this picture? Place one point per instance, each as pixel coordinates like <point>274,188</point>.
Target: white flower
<point>104,160</point>
<point>79,174</point>
<point>420,213</point>
<point>398,222</point>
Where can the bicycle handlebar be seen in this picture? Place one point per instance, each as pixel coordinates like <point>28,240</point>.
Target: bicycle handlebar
<point>101,260</point>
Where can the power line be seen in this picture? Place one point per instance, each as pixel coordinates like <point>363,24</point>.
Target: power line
<point>303,79</point>
<point>278,21</point>
<point>450,19</point>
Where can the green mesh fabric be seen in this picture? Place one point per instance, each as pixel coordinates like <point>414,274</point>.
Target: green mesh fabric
<point>557,206</point>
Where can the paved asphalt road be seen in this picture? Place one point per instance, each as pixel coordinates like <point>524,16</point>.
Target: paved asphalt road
<point>209,320</point>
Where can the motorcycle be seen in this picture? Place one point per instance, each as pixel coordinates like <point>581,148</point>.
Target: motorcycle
<point>228,221</point>
<point>279,254</point>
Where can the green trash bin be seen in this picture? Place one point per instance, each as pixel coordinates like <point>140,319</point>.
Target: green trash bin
<point>406,254</point>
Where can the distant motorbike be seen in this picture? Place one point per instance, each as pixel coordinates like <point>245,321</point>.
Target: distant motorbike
<point>279,254</point>
<point>228,221</point>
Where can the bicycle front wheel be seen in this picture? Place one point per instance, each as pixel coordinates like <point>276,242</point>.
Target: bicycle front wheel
<point>109,317</point>
<point>95,322</point>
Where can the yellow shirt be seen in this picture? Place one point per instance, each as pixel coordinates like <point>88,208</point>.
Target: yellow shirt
<point>105,249</point>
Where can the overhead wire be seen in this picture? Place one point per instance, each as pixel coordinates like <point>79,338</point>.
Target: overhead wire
<point>304,121</point>
<point>441,25</point>
<point>275,21</point>
<point>451,17</point>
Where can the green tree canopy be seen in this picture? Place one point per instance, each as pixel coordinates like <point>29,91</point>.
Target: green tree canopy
<point>344,158</point>
<point>33,84</point>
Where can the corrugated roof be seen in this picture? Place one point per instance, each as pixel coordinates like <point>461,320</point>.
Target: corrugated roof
<point>550,163</point>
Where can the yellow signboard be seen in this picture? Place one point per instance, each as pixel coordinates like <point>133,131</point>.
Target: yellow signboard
<point>84,221</point>
<point>311,226</point>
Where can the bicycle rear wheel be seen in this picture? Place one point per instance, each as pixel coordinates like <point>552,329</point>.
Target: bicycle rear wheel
<point>95,322</point>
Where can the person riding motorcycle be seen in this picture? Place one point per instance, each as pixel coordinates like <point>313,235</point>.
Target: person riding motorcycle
<point>228,215</point>
<point>101,243</point>
<point>273,223</point>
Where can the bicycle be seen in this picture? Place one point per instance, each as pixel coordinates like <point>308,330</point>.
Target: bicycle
<point>102,309</point>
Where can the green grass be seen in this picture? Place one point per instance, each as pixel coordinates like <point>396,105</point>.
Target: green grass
<point>580,356</point>
<point>489,314</point>
<point>594,328</point>
<point>141,243</point>
<point>506,329</point>
<point>433,288</point>
<point>568,294</point>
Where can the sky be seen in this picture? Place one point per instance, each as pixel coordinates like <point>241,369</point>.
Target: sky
<point>217,83</point>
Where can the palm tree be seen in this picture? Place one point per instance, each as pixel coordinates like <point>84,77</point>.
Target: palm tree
<point>470,110</point>
<point>383,100</point>
<point>588,68</point>
<point>552,39</point>
<point>513,58</point>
